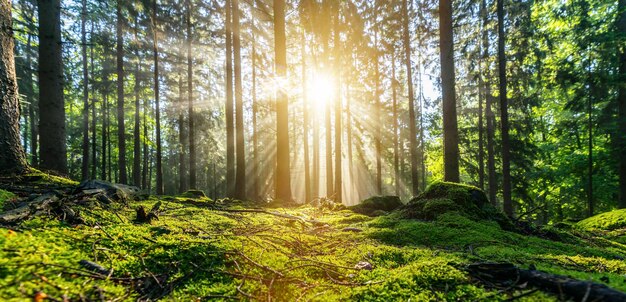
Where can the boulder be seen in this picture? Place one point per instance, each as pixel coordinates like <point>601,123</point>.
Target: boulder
<point>377,205</point>
<point>115,192</point>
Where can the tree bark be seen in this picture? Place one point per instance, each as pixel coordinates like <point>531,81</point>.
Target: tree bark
<point>159,152</point>
<point>240,178</point>
<point>136,129</point>
<point>378,124</point>
<point>85,128</point>
<point>504,115</point>
<point>52,124</point>
<point>394,99</point>
<point>121,130</point>
<point>255,109</point>
<point>621,100</point>
<point>192,130</point>
<point>450,128</point>
<point>305,126</point>
<point>33,116</point>
<point>411,100</point>
<point>230,127</point>
<point>489,115</point>
<point>12,156</point>
<point>337,49</point>
<point>283,177</point>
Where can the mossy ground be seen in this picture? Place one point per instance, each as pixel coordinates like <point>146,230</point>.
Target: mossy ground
<point>4,197</point>
<point>220,255</point>
<point>606,221</point>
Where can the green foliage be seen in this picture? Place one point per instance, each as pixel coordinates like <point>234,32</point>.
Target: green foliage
<point>606,221</point>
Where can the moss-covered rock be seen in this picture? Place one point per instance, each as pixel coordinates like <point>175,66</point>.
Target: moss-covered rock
<point>194,194</point>
<point>4,197</point>
<point>445,197</point>
<point>375,204</point>
<point>608,221</point>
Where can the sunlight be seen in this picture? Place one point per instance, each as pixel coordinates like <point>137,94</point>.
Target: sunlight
<point>320,91</point>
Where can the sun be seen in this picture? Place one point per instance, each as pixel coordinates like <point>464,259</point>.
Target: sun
<point>320,91</point>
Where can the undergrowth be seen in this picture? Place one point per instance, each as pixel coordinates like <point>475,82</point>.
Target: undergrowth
<point>215,250</point>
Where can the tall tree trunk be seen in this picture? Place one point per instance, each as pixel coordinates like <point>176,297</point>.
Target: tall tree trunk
<point>121,130</point>
<point>240,178</point>
<point>85,128</point>
<point>12,156</point>
<point>136,129</point>
<point>192,130</point>
<point>621,99</point>
<point>489,115</point>
<point>230,127</point>
<point>337,49</point>
<point>255,130</point>
<point>504,115</point>
<point>411,100</point>
<point>394,99</point>
<point>105,125</point>
<point>481,98</point>
<point>51,124</point>
<point>378,124</point>
<point>145,163</point>
<point>32,111</point>
<point>283,175</point>
<point>159,152</point>
<point>183,138</point>
<point>450,130</point>
<point>305,126</point>
<point>94,131</point>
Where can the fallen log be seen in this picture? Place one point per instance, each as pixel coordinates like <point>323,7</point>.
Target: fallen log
<point>509,276</point>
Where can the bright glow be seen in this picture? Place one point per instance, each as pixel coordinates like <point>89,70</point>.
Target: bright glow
<point>320,91</point>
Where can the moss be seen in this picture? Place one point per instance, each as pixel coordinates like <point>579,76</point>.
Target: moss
<point>4,197</point>
<point>35,176</point>
<point>375,204</point>
<point>194,194</point>
<point>606,221</point>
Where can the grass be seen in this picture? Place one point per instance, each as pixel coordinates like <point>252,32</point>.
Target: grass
<point>199,253</point>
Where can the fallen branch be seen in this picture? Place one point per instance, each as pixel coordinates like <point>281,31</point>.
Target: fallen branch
<point>508,275</point>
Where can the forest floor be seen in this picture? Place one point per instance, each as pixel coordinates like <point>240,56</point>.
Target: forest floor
<point>204,250</point>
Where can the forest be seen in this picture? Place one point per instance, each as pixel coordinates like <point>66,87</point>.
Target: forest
<point>313,150</point>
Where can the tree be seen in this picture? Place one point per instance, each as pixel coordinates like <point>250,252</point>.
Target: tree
<point>504,114</point>
<point>12,157</point>
<point>230,131</point>
<point>621,26</point>
<point>283,176</point>
<point>337,49</point>
<point>411,100</point>
<point>192,131</point>
<point>121,130</point>
<point>450,130</point>
<point>52,123</point>
<point>85,160</point>
<point>240,178</point>
<point>489,115</point>
<point>159,152</point>
<point>136,128</point>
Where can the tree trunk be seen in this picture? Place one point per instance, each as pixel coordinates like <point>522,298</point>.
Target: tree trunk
<point>183,138</point>
<point>230,131</point>
<point>621,99</point>
<point>105,125</point>
<point>12,156</point>
<point>240,178</point>
<point>94,132</point>
<point>504,115</point>
<point>450,130</point>
<point>378,124</point>
<point>283,177</point>
<point>411,100</point>
<point>394,99</point>
<point>192,130</point>
<point>121,130</point>
<point>255,109</point>
<point>305,126</point>
<point>337,49</point>
<point>481,97</point>
<point>85,128</point>
<point>136,129</point>
<point>489,115</point>
<point>159,152</point>
<point>51,124</point>
<point>32,111</point>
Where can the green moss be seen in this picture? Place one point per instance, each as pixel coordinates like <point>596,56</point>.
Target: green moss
<point>375,204</point>
<point>194,194</point>
<point>606,221</point>
<point>38,177</point>
<point>4,197</point>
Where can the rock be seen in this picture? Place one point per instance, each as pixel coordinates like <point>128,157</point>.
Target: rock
<point>115,192</point>
<point>94,267</point>
<point>445,197</point>
<point>364,265</point>
<point>194,194</point>
<point>375,204</point>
